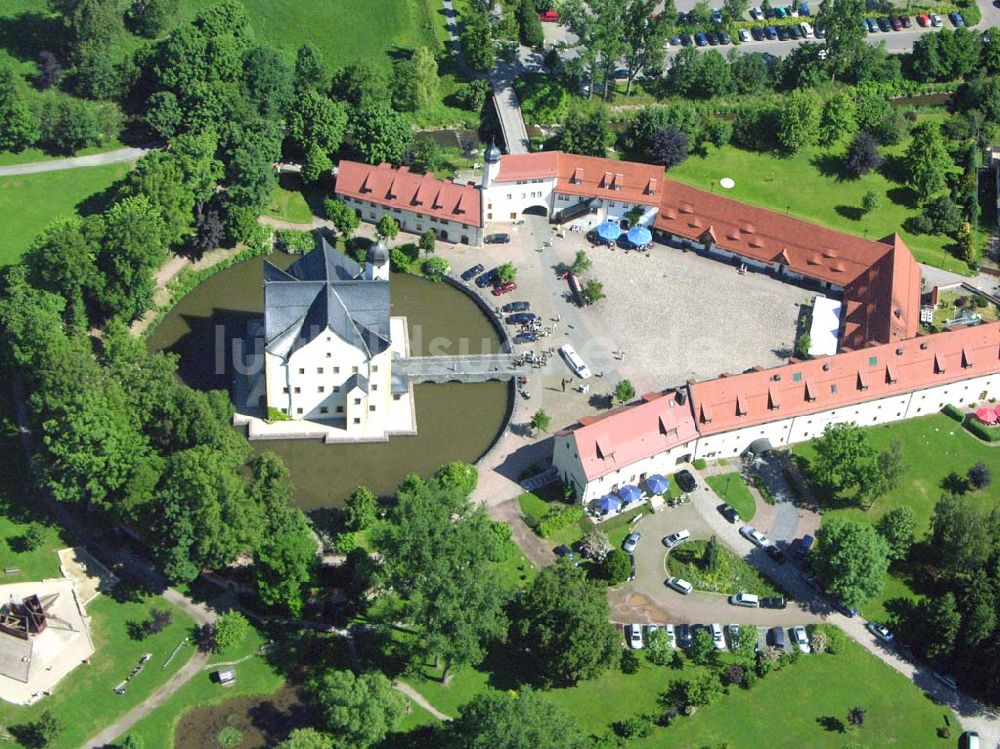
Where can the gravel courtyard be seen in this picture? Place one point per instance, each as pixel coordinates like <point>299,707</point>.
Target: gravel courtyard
<point>681,316</point>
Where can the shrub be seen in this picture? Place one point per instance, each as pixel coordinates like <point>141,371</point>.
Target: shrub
<point>953,412</point>
<point>542,100</point>
<point>436,268</point>
<point>276,414</point>
<point>699,464</point>
<point>295,242</point>
<point>979,476</point>
<point>636,727</point>
<point>981,430</point>
<point>617,566</point>
<point>833,637</point>
<point>558,518</point>
<point>630,662</point>
<point>345,543</point>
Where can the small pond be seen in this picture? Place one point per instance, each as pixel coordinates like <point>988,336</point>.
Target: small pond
<point>454,421</point>
<point>263,721</point>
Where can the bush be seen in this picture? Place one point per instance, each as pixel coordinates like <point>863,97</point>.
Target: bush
<point>295,242</point>
<point>617,566</point>
<point>636,727</point>
<point>543,100</point>
<point>832,637</point>
<point>981,430</point>
<point>558,518</point>
<point>630,662</point>
<point>345,543</point>
<point>953,412</point>
<point>276,414</point>
<point>436,268</point>
<point>699,464</point>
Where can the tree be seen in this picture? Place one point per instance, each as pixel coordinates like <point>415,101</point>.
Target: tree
<point>624,391</point>
<point>478,48</point>
<point>845,38</point>
<point>159,620</point>
<point>581,263</point>
<point>310,68</point>
<point>856,716</point>
<point>593,291</point>
<point>802,345</point>
<point>751,72</point>
<point>862,155</point>
<point>944,214</point>
<point>316,121</point>
<point>928,161</point>
<point>898,527</point>
<point>798,120</point>
<point>317,164</point>
<point>458,477</point>
<point>530,25</point>
<point>230,737</point>
<point>231,629</point>
<point>150,18</point>
<point>541,421</point>
<point>966,242</point>
<point>942,625</point>
<point>651,120</point>
<point>472,96</point>
<point>989,56</point>
<point>361,510</point>
<point>267,81</point>
<point>646,31</point>
<point>507,272</point>
<point>658,648</point>
<point>586,133</point>
<point>702,690</point>
<point>284,559</point>
<point>509,720</point>
<point>600,27</point>
<point>436,268</point>
<point>669,147</point>
<point>90,23</point>
<point>209,229</point>
<point>306,738</point>
<point>562,626</point>
<point>344,219</point>
<point>963,534</point>
<point>19,126</point>
<point>50,71</point>
<point>40,733</point>
<point>33,537</point>
<point>979,476</point>
<point>381,134</point>
<point>425,78</point>
<point>844,460</point>
<point>356,711</point>
<point>595,545</point>
<point>702,649</point>
<point>838,119</point>
<point>852,559</point>
<point>870,201</point>
<point>67,125</point>
<point>710,559</point>
<point>617,567</point>
<point>428,241</point>
<point>61,260</point>
<point>387,227</point>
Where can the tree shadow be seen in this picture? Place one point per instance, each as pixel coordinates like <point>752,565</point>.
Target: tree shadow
<point>903,196</point>
<point>831,724</point>
<point>850,212</point>
<point>832,165</point>
<point>25,35</point>
<point>601,401</point>
<point>100,201</point>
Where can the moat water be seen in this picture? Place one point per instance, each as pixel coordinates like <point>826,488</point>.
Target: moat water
<point>454,421</point>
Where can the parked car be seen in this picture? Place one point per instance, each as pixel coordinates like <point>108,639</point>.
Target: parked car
<point>754,536</point>
<point>936,19</point>
<point>651,629</point>
<point>884,23</point>
<point>671,635</point>
<point>729,513</point>
<point>675,40</point>
<point>681,586</point>
<point>956,19</point>
<point>783,34</point>
<point>804,9</point>
<point>800,547</point>
<point>771,33</point>
<point>676,538</point>
<point>849,611</point>
<point>923,20</point>
<point>516,307</point>
<point>896,24</point>
<point>713,39</point>
<point>684,635</point>
<point>775,553</point>
<point>773,602</point>
<point>497,238</point>
<point>969,740</point>
<point>631,566</point>
<point>472,272</point>
<point>794,32</point>
<point>905,20</point>
<point>744,35</point>
<point>733,634</point>
<point>521,318</point>
<point>749,600</point>
<point>776,637</point>
<point>686,481</point>
<point>700,39</point>
<point>717,637</point>
<point>801,639</point>
<point>630,541</point>
<point>525,337</point>
<point>716,15</point>
<point>487,279</point>
<point>756,13</point>
<point>633,633</point>
<point>880,631</point>
<point>724,37</point>
<point>812,582</point>
<point>686,40</point>
<point>807,30</point>
<point>549,16</point>
<point>757,32</point>
<point>504,288</point>
<point>872,25</point>
<point>574,362</point>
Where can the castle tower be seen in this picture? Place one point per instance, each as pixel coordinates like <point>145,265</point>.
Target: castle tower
<point>377,262</point>
<point>491,165</point>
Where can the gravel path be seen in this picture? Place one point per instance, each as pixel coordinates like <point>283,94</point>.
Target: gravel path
<point>75,162</point>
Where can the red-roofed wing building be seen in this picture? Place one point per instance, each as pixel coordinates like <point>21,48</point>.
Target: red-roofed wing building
<point>600,454</point>
<point>417,201</point>
<point>566,185</point>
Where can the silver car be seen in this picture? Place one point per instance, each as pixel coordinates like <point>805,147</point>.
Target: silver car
<point>630,542</point>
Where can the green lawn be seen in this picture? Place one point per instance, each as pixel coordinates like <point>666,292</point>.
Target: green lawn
<point>933,446</point>
<point>808,185</point>
<point>731,575</point>
<point>787,707</point>
<point>30,202</point>
<point>85,701</point>
<point>289,198</point>
<point>534,508</point>
<point>734,491</point>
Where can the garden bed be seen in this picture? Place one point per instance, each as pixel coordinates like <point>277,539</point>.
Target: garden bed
<point>731,574</point>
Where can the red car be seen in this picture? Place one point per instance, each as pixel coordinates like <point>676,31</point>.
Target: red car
<point>923,19</point>
<point>504,288</point>
<point>549,16</point>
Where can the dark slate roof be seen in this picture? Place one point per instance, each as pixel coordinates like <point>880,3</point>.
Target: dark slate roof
<point>358,381</point>
<point>324,290</point>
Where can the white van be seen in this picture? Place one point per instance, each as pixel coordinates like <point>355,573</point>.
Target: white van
<point>676,538</point>
<point>807,30</point>
<point>681,586</point>
<point>574,362</point>
<point>970,740</point>
<point>745,599</point>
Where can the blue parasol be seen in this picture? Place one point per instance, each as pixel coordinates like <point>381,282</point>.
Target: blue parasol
<point>629,493</point>
<point>609,503</point>
<point>657,484</point>
<point>609,231</point>
<point>639,236</point>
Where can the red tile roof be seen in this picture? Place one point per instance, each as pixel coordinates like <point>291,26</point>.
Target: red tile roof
<point>881,280</point>
<point>620,438</point>
<point>848,378</point>
<point>587,176</point>
<point>420,193</point>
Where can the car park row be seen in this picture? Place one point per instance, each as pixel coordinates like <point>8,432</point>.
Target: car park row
<point>723,637</point>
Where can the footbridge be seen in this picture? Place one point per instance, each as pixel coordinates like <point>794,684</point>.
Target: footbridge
<point>468,368</point>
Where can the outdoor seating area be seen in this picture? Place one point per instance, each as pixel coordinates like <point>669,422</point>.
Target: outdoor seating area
<point>989,415</point>
<point>612,234</point>
<point>627,497</point>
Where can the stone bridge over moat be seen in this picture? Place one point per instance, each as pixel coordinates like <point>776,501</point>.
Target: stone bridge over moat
<point>468,368</point>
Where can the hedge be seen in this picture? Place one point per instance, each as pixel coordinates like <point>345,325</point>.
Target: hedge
<point>982,431</point>
<point>558,518</point>
<point>699,464</point>
<point>953,412</point>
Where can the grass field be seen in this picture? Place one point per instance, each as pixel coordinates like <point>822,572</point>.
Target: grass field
<point>288,201</point>
<point>731,575</point>
<point>30,202</point>
<point>810,186</point>
<point>734,491</point>
<point>933,447</point>
<point>792,708</point>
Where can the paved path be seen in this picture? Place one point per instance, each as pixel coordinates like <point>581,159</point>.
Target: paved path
<point>413,694</point>
<point>74,162</point>
<point>537,550</point>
